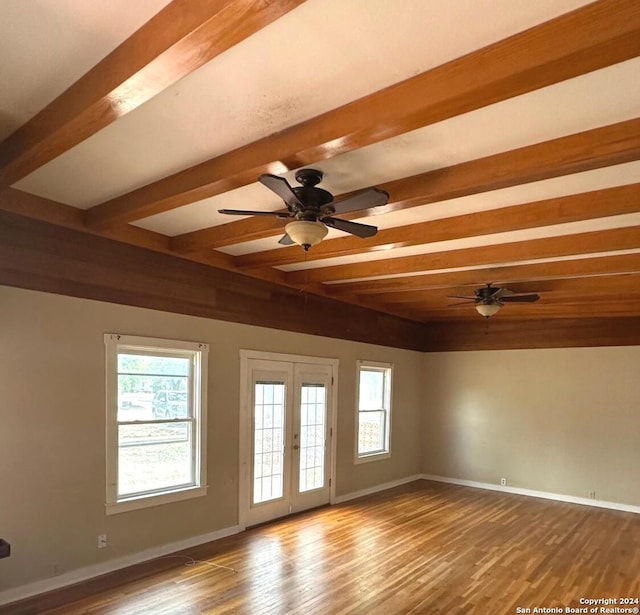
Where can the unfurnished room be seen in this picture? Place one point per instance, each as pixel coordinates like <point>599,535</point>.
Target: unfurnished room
<point>319,307</point>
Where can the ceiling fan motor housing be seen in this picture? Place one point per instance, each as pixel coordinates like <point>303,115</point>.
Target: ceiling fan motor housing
<point>486,294</point>
<point>313,199</point>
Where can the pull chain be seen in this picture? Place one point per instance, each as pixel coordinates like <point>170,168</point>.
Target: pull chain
<point>306,281</point>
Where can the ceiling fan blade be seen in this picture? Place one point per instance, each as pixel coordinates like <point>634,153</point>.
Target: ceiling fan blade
<point>245,212</point>
<point>285,240</point>
<point>461,297</point>
<point>520,298</point>
<point>461,303</point>
<point>373,197</point>
<point>355,228</point>
<point>282,188</point>
<point>500,292</point>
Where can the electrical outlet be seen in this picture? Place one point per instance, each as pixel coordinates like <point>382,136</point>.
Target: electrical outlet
<point>102,541</point>
<point>503,482</point>
<point>592,495</point>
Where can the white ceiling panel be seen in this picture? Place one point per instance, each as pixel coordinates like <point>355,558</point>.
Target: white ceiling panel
<point>313,59</point>
<point>46,45</point>
<point>582,103</point>
<point>571,106</point>
<point>317,57</point>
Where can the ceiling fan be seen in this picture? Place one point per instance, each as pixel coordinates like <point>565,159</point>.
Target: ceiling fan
<point>312,208</point>
<point>489,299</point>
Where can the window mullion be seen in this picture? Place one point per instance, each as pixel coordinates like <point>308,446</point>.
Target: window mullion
<point>186,419</point>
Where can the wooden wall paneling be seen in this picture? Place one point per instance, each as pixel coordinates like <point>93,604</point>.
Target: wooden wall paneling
<point>500,334</point>
<point>43,257</point>
<point>46,210</point>
<point>40,256</point>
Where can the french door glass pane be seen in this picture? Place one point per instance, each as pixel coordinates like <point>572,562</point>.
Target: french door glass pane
<point>313,409</point>
<point>268,441</point>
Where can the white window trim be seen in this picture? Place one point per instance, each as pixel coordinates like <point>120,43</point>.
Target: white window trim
<point>376,456</point>
<point>114,342</point>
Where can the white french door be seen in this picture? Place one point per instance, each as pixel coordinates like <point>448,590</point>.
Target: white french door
<point>285,442</point>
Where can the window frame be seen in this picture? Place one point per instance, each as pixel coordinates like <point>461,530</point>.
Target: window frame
<point>387,370</point>
<point>116,344</point>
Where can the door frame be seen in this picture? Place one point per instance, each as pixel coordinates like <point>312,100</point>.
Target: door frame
<point>245,436</point>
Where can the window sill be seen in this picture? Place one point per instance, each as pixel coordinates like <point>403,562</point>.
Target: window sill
<point>147,501</point>
<point>372,457</point>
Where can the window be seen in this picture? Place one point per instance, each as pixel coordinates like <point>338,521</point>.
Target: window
<point>156,421</point>
<point>373,411</point>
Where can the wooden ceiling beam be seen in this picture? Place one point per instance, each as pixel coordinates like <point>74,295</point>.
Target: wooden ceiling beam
<point>592,37</point>
<point>584,151</point>
<point>620,286</point>
<point>183,36</point>
<point>501,275</point>
<point>627,238</point>
<point>585,206</point>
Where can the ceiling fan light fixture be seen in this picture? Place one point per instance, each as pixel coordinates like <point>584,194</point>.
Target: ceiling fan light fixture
<point>488,309</point>
<point>306,233</point>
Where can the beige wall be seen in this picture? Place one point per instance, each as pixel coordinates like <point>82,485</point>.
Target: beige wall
<point>565,421</point>
<point>52,459</point>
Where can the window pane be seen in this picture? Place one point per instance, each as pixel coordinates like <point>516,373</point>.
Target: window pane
<point>268,446</point>
<point>171,404</point>
<point>134,398</point>
<point>154,365</point>
<point>371,437</point>
<point>152,397</point>
<point>154,456</point>
<point>371,390</point>
<point>312,436</point>
<point>152,387</point>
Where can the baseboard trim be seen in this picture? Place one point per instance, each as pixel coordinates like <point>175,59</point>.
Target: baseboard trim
<point>370,490</point>
<point>560,497</point>
<point>95,570</point>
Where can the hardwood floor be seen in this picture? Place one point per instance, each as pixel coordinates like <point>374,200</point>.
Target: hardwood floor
<point>421,548</point>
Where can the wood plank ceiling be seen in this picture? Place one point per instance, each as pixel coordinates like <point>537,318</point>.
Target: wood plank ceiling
<point>507,135</point>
